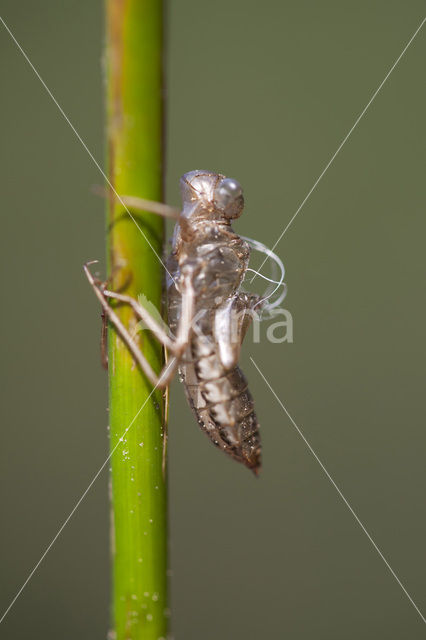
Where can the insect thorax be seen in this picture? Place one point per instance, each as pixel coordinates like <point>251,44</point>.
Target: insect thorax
<point>218,258</point>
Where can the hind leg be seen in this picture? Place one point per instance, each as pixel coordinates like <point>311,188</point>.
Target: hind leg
<point>176,346</point>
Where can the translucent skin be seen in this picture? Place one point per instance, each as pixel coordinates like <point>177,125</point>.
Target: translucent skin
<point>205,244</point>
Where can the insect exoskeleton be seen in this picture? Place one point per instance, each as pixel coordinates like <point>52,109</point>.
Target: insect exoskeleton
<point>216,388</point>
<point>208,312</point>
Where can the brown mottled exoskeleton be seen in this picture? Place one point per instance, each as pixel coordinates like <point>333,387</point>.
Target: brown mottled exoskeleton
<point>208,314</point>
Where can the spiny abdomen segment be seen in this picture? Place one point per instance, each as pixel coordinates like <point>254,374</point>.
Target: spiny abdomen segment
<point>224,408</point>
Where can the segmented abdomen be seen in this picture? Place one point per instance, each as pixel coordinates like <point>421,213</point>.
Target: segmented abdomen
<point>221,402</point>
<point>219,397</point>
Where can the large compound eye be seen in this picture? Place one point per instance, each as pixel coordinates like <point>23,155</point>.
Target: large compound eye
<point>229,197</point>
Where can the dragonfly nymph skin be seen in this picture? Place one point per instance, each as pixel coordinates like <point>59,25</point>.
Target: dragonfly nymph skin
<point>205,245</point>
<point>208,313</point>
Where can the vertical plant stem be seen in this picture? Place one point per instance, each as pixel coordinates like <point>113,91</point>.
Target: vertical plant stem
<point>139,489</point>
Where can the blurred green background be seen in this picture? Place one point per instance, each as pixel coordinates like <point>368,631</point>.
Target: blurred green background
<point>264,92</point>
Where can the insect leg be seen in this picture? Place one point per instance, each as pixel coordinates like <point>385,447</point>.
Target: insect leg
<point>139,204</point>
<point>121,329</point>
<point>176,347</point>
<point>104,351</point>
<point>151,206</point>
<point>144,315</point>
<point>184,331</point>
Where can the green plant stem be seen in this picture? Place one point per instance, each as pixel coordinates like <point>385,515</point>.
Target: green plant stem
<point>139,488</point>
